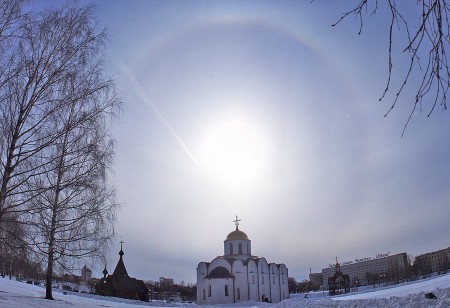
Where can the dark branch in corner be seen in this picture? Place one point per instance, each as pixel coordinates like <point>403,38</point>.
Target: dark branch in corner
<point>431,38</point>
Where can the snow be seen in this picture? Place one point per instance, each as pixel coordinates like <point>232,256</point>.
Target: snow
<point>20,294</point>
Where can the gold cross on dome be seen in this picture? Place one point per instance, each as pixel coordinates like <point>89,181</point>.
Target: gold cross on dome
<point>237,222</point>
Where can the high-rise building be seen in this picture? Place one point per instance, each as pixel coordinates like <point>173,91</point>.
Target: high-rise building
<point>383,268</point>
<point>433,261</point>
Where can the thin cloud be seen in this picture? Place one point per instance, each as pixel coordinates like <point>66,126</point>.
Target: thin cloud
<point>146,99</point>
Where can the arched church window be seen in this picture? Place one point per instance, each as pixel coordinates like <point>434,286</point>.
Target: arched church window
<point>238,293</point>
<point>262,279</point>
<point>204,294</point>
<point>273,279</point>
<point>226,290</point>
<point>253,279</point>
<point>209,290</point>
<point>231,248</point>
<point>240,248</point>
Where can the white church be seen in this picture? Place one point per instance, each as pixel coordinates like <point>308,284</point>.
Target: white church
<point>239,276</point>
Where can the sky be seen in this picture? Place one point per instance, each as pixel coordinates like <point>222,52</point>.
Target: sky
<point>262,109</point>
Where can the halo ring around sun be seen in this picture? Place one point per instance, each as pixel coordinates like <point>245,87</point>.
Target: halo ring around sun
<point>235,148</point>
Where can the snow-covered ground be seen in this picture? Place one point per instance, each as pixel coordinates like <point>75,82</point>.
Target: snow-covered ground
<point>20,294</point>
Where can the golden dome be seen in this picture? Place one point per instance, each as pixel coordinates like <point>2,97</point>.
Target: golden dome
<point>237,235</point>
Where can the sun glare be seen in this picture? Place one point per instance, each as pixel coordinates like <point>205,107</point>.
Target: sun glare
<point>235,151</point>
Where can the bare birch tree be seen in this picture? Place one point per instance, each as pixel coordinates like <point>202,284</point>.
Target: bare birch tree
<point>55,150</point>
<point>73,213</point>
<point>10,30</point>
<point>427,36</point>
<point>51,47</point>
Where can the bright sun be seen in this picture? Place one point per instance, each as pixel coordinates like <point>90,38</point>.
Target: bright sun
<point>235,150</point>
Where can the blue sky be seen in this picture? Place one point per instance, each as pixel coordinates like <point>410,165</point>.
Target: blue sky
<point>261,109</point>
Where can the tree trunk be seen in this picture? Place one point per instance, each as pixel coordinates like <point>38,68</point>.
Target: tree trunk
<point>49,276</point>
<point>51,253</point>
<point>52,238</point>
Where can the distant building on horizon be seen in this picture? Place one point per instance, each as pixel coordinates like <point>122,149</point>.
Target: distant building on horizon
<point>70,278</point>
<point>165,282</point>
<point>239,276</point>
<point>432,262</point>
<point>381,269</point>
<point>86,275</point>
<point>316,280</point>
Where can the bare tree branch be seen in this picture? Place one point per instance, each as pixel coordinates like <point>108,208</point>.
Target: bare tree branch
<point>430,39</point>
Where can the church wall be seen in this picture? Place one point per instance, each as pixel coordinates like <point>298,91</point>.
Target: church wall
<point>274,283</point>
<point>252,272</point>
<point>264,281</point>
<point>239,271</point>
<point>212,291</point>
<point>202,271</point>
<point>284,287</point>
<point>218,291</point>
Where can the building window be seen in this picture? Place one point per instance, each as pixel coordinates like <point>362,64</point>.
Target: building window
<point>262,279</point>
<point>273,279</point>
<point>209,290</point>
<point>238,293</point>
<point>226,290</point>
<point>253,279</point>
<point>231,248</point>
<point>240,248</point>
<point>204,294</point>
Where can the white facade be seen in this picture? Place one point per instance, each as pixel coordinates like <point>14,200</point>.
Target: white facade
<point>238,276</point>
